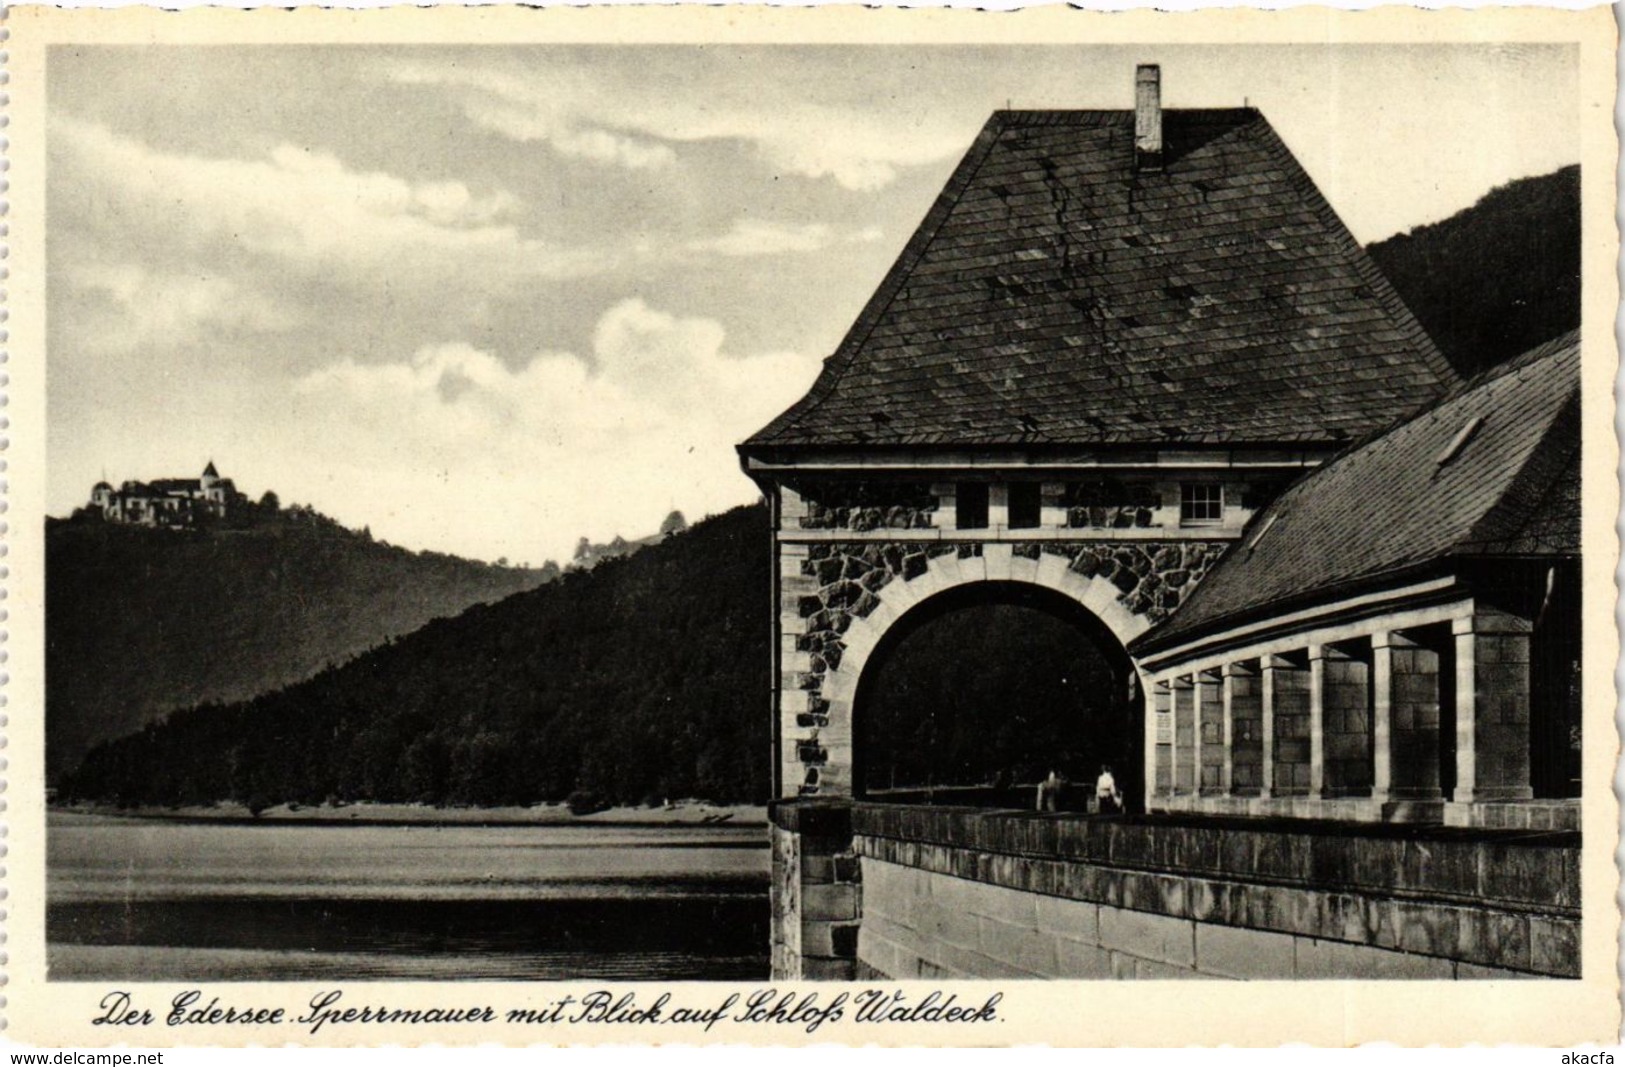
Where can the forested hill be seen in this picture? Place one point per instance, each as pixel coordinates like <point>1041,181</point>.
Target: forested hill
<point>1498,278</point>
<point>644,678</point>
<point>143,621</point>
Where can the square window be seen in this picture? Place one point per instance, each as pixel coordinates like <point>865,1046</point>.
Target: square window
<point>1200,503</point>
<point>970,506</point>
<point>1026,505</point>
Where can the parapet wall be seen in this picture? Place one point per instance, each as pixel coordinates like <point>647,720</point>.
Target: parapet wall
<point>976,893</point>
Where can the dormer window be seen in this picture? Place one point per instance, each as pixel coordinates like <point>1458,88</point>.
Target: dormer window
<point>1201,504</point>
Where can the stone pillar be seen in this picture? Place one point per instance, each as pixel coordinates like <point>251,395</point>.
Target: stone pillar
<point>1210,720</point>
<point>998,506</point>
<point>1162,736</point>
<point>1317,722</point>
<point>1414,742</point>
<point>801,714</point>
<point>947,494</point>
<point>1266,726</point>
<point>1345,698</point>
<point>816,897</point>
<point>1244,725</point>
<point>1382,689</point>
<point>1492,707</point>
<point>1052,498</point>
<point>1290,708</point>
<point>1185,759</point>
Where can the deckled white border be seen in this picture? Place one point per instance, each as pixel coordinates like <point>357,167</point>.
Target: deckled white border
<point>959,5</point>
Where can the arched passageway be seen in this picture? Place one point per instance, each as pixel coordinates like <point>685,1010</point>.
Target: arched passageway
<point>976,694</point>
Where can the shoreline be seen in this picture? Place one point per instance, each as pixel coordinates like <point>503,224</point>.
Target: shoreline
<point>682,814</point>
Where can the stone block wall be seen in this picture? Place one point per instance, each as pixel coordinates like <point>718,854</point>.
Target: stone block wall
<point>1185,766</point>
<point>1347,690</point>
<point>1291,746</point>
<point>1246,730</point>
<point>920,924</point>
<point>962,893</point>
<point>816,895</point>
<point>1415,723</point>
<point>1210,719</point>
<point>828,587</point>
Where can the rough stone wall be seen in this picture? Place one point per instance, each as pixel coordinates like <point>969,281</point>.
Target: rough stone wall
<point>868,506</point>
<point>828,585</point>
<point>1108,504</point>
<point>848,578</point>
<point>1155,577</point>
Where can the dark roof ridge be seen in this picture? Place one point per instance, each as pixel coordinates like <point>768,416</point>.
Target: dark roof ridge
<point>1500,530</point>
<point>1517,363</point>
<point>1084,116</point>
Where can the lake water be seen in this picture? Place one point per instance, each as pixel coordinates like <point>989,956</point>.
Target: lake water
<point>158,899</point>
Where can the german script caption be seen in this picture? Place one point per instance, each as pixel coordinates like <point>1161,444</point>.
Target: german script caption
<point>332,1009</point>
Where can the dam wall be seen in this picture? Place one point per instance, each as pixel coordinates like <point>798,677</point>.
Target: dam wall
<point>865,890</point>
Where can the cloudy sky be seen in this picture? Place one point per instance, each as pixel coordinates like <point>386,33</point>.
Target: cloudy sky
<point>490,300</point>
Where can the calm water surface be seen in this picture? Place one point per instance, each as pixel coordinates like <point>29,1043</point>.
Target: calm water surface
<point>153,899</point>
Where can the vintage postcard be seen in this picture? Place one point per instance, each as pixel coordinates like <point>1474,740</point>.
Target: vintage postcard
<point>778,526</point>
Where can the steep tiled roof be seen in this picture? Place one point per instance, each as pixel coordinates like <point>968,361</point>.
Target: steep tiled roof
<point>1053,294</point>
<point>1491,470</point>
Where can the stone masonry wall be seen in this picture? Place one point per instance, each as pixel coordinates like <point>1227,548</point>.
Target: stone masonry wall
<point>921,924</point>
<point>1155,577</point>
<point>828,585</point>
<point>816,894</point>
<point>960,892</point>
<point>868,506</point>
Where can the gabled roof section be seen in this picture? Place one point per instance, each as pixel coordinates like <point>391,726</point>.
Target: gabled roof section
<point>1054,294</point>
<point>1408,499</point>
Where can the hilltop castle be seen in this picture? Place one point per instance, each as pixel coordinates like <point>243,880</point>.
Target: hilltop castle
<point>177,502</point>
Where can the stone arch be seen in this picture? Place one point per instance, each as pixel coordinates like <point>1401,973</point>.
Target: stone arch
<point>996,563</point>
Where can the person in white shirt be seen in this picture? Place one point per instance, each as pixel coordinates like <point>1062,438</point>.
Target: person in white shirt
<point>1107,798</point>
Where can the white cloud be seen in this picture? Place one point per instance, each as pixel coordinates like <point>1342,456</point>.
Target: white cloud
<point>313,213</point>
<point>170,308</point>
<point>585,114</point>
<point>753,237</point>
<point>461,450</point>
<point>597,145</point>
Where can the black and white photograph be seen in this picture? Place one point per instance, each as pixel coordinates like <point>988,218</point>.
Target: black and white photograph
<point>823,514</point>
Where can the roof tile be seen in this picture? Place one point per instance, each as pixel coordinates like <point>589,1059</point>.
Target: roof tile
<point>1052,278</point>
<point>1404,499</point>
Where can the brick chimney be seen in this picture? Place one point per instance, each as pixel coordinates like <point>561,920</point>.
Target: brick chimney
<point>1148,117</point>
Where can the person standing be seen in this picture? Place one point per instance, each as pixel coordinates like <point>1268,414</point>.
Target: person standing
<point>1049,792</point>
<point>1107,797</point>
